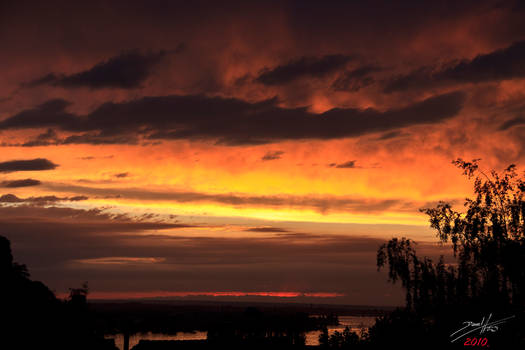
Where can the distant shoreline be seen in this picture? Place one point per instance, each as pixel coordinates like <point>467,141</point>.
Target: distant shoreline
<point>310,308</point>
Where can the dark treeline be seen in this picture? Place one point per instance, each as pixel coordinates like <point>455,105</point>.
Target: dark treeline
<point>255,329</point>
<point>170,317</point>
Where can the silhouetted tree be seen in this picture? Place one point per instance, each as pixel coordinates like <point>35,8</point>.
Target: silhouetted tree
<point>27,306</point>
<point>339,340</point>
<point>324,338</point>
<point>33,318</point>
<point>488,242</point>
<point>257,330</point>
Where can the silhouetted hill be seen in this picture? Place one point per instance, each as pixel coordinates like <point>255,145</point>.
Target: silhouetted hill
<point>33,318</point>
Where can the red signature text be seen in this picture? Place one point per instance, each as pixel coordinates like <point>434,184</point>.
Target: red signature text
<point>476,342</point>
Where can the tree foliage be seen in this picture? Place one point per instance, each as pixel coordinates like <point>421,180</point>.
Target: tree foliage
<point>338,340</point>
<point>32,317</point>
<point>488,241</point>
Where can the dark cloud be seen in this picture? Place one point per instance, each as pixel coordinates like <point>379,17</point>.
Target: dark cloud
<point>95,138</point>
<point>127,70</point>
<point>348,165</point>
<point>418,79</point>
<point>266,229</point>
<point>512,122</point>
<point>47,138</point>
<point>356,79</point>
<point>75,198</point>
<point>121,175</point>
<point>503,64</point>
<point>42,200</point>
<point>26,165</point>
<point>272,155</point>
<point>50,78</point>
<point>20,183</point>
<point>100,138</point>
<point>93,157</point>
<point>227,120</point>
<point>50,113</point>
<point>10,198</point>
<point>31,143</point>
<point>71,215</point>
<point>507,63</point>
<point>316,67</point>
<point>237,122</point>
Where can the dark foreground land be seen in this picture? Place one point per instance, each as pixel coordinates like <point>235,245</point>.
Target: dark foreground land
<point>231,324</point>
<point>170,317</point>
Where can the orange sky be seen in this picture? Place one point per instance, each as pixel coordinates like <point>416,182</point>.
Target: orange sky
<point>262,148</point>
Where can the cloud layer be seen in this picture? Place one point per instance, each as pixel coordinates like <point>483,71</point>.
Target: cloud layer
<point>37,164</point>
<point>127,70</point>
<point>204,120</point>
<point>20,183</point>
<point>108,251</point>
<point>303,67</point>
<point>502,64</point>
<point>228,121</point>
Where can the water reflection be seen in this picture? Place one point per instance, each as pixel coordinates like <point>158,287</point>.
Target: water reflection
<point>135,338</point>
<point>355,323</point>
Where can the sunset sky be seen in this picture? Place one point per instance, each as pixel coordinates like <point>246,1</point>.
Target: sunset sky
<point>246,149</point>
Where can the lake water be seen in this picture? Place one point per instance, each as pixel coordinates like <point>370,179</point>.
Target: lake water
<point>135,338</point>
<point>355,323</point>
